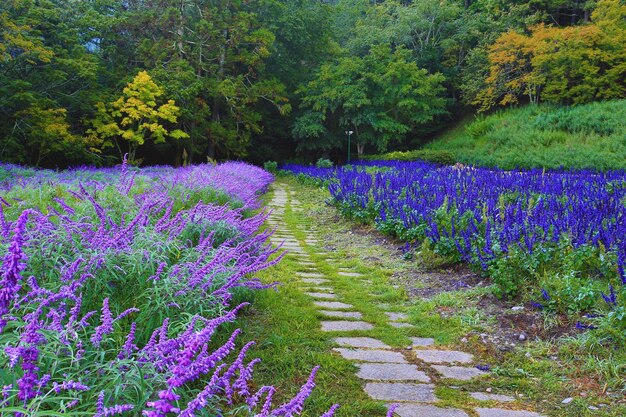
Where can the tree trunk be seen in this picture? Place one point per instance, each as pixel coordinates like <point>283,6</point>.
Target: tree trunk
<point>359,149</point>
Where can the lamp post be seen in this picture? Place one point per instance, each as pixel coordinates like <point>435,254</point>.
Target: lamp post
<point>349,133</point>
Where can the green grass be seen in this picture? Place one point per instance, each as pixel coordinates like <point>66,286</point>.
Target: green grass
<point>591,136</point>
<point>286,325</point>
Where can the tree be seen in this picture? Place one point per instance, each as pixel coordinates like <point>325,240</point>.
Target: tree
<point>223,47</point>
<point>510,72</point>
<point>569,65</point>
<point>136,117</point>
<point>47,131</point>
<point>47,82</point>
<point>381,97</point>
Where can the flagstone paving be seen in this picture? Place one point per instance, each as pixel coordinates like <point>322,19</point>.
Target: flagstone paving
<point>484,396</point>
<point>310,274</point>
<point>342,314</point>
<point>401,391</point>
<point>497,412</point>
<point>337,305</point>
<point>371,355</point>
<point>361,342</point>
<point>443,356</point>
<point>349,274</point>
<point>321,295</point>
<point>391,372</point>
<point>422,341</point>
<point>399,376</point>
<point>396,316</point>
<point>400,325</point>
<point>421,410</point>
<point>345,326</point>
<point>315,280</point>
<point>458,372</point>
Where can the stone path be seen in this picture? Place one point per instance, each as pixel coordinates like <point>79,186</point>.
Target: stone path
<point>407,376</point>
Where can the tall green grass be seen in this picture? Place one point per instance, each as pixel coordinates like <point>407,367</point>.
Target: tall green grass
<point>591,136</point>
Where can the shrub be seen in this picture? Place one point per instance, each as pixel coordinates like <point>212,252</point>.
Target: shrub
<point>271,166</point>
<point>323,163</point>
<point>428,155</point>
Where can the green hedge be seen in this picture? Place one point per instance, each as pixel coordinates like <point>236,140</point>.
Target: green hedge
<point>435,156</point>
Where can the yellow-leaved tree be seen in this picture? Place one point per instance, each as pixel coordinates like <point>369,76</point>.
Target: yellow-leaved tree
<point>568,65</point>
<point>136,117</point>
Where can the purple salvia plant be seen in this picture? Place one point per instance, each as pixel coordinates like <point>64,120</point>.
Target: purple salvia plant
<point>296,405</point>
<point>331,411</point>
<point>12,266</point>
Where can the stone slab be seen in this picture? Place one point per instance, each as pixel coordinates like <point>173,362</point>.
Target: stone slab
<point>342,314</point>
<point>315,281</point>
<point>422,341</point>
<point>396,316</point>
<point>322,295</point>
<point>349,274</point>
<point>333,305</point>
<point>497,412</point>
<point>310,274</point>
<point>399,391</point>
<point>361,342</point>
<point>323,289</point>
<point>485,396</point>
<point>345,326</point>
<point>444,356</point>
<point>419,410</point>
<point>391,372</point>
<point>400,325</point>
<point>458,372</point>
<point>371,355</point>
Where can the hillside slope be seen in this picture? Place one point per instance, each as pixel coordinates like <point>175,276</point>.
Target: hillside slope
<point>591,136</point>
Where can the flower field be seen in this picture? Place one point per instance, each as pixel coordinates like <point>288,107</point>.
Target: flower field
<point>115,283</point>
<point>554,239</point>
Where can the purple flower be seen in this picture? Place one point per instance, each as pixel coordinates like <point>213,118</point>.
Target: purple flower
<point>331,411</point>
<point>582,326</point>
<point>391,409</point>
<point>106,324</point>
<point>611,298</point>
<point>295,406</point>
<point>12,266</point>
<point>69,386</point>
<point>103,411</point>
<point>163,405</point>
<point>129,346</point>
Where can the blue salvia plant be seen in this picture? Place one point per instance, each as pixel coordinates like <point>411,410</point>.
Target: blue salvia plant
<point>528,230</point>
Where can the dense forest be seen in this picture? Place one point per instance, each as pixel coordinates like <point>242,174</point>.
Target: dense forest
<point>180,81</point>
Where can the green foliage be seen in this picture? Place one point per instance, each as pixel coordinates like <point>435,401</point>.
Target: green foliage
<point>47,81</point>
<point>136,117</point>
<point>435,156</point>
<point>580,137</point>
<point>385,70</point>
<point>569,65</point>
<point>271,166</point>
<point>324,163</point>
<point>381,97</point>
